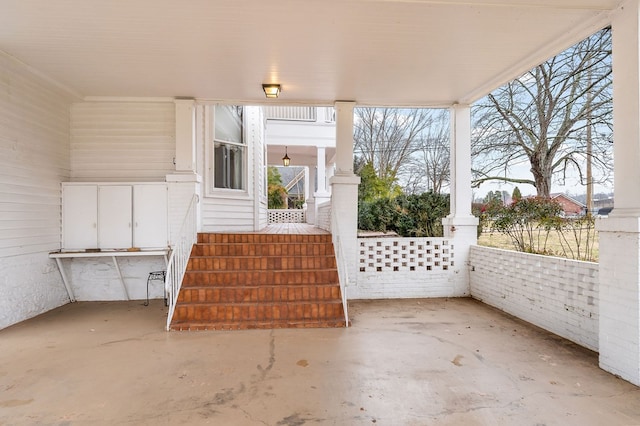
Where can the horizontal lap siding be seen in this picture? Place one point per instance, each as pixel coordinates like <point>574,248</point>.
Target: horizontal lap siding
<point>122,141</point>
<point>34,160</point>
<point>224,214</point>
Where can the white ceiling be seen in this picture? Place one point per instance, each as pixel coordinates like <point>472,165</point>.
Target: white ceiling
<point>376,52</point>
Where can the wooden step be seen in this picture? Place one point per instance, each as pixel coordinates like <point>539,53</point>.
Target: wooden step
<point>263,249</point>
<point>246,281</point>
<point>263,238</point>
<point>249,263</point>
<point>253,325</point>
<point>222,278</point>
<point>260,293</point>
<point>263,311</point>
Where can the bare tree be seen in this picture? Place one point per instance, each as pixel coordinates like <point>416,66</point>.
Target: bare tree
<point>387,137</point>
<point>431,159</point>
<point>542,118</point>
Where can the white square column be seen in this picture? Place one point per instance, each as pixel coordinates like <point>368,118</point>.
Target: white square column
<point>185,159</point>
<point>619,234</point>
<point>185,182</point>
<point>344,189</point>
<point>461,226</point>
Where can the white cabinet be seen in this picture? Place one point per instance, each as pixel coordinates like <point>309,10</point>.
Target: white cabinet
<point>80,217</point>
<point>114,216</point>
<point>150,216</point>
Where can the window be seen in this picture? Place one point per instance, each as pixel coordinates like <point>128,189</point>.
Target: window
<point>229,148</point>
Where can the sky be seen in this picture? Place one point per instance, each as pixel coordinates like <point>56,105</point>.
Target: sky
<point>572,185</point>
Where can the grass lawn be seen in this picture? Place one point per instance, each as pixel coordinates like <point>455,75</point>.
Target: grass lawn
<point>553,246</point>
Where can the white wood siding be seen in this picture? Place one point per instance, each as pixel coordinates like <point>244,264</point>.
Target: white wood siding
<point>237,211</point>
<point>122,141</point>
<point>227,214</point>
<point>34,160</point>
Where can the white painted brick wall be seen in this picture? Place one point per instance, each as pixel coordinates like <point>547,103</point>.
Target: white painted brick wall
<point>96,279</point>
<point>323,219</point>
<point>619,240</point>
<point>34,142</point>
<point>30,285</point>
<point>390,268</point>
<point>559,295</point>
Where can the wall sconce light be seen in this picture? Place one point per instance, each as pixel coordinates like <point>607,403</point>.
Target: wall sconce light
<point>286,160</point>
<point>271,90</point>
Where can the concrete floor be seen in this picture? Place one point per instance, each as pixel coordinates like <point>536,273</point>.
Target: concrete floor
<point>411,362</point>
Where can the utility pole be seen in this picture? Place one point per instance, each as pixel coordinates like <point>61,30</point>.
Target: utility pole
<point>589,148</point>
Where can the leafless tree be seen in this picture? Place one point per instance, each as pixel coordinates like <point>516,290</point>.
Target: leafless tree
<point>542,118</point>
<point>387,137</point>
<point>430,162</point>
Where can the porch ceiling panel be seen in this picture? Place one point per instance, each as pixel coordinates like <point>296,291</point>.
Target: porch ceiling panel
<point>376,52</point>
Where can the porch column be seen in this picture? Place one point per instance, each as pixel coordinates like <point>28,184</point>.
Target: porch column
<point>619,234</point>
<point>321,195</point>
<point>460,226</point>
<point>344,190</point>
<point>185,136</point>
<point>185,182</point>
<point>310,201</point>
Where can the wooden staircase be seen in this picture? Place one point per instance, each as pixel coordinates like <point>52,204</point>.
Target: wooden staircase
<point>245,281</point>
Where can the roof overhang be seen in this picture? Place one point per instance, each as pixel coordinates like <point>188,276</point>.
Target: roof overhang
<point>375,52</point>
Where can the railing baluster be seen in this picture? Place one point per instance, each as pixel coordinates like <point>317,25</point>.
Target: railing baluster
<point>180,253</point>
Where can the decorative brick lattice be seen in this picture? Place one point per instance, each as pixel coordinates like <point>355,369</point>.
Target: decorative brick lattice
<point>287,216</point>
<point>404,254</point>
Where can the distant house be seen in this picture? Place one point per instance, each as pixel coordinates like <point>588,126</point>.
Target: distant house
<point>570,206</point>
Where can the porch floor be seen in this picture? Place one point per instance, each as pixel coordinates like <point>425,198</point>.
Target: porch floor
<point>292,228</point>
<point>403,362</point>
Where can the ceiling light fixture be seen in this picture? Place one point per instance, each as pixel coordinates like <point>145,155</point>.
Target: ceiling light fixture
<point>286,160</point>
<point>271,90</point>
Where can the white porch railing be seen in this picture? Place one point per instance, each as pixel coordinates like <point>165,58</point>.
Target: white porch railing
<point>403,254</point>
<point>293,113</point>
<point>287,216</point>
<point>343,272</point>
<point>405,267</point>
<point>180,252</point>
<point>323,218</point>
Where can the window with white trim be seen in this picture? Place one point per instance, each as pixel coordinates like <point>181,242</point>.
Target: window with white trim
<point>229,148</point>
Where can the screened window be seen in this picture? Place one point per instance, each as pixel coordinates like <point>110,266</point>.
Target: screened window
<point>229,148</point>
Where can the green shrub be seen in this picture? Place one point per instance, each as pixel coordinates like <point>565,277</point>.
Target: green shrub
<point>407,215</point>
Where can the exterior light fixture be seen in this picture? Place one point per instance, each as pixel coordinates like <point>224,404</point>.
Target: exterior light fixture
<point>271,90</point>
<point>286,160</point>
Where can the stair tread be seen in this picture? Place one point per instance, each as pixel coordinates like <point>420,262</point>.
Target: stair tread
<point>268,270</point>
<point>268,303</point>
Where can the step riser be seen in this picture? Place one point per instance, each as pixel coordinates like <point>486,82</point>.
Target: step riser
<point>321,249</point>
<point>266,294</point>
<point>215,278</point>
<point>257,263</point>
<point>259,312</point>
<point>253,325</point>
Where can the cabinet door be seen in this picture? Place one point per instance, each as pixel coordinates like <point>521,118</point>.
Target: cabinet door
<point>150,218</point>
<point>79,217</point>
<point>114,216</point>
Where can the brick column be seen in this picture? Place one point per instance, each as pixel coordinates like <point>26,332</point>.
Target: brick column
<point>619,234</point>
